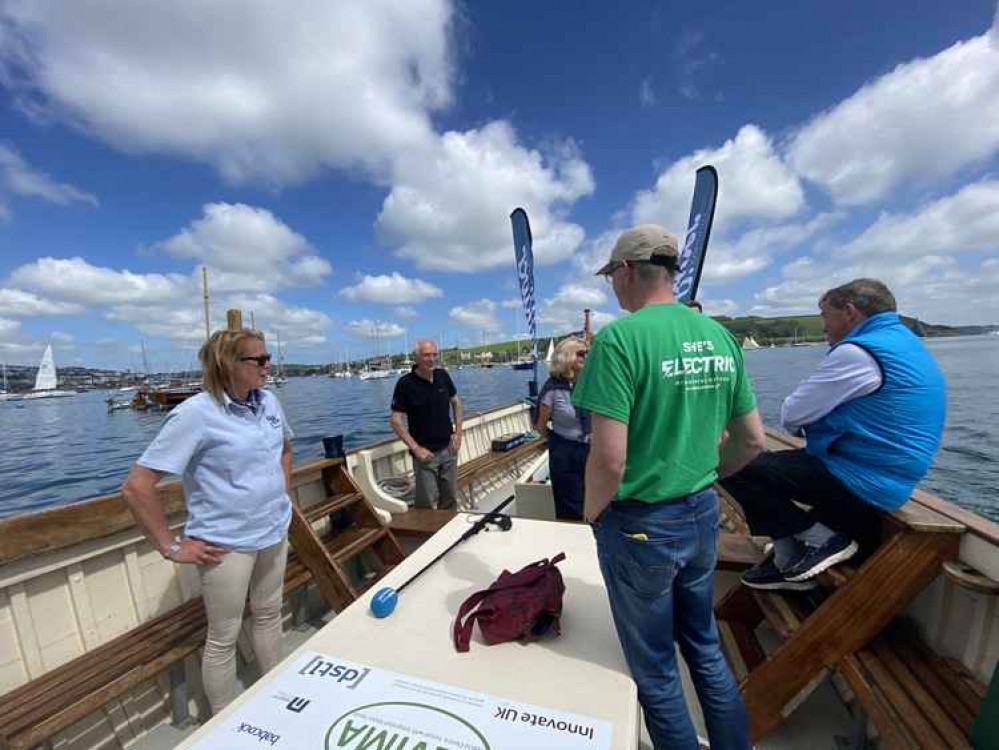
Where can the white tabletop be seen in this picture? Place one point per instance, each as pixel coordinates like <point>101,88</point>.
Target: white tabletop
<point>582,671</point>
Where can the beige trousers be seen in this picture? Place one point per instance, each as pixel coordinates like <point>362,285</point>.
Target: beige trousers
<point>224,588</point>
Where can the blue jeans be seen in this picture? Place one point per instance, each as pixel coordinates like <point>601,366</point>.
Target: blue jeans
<point>658,563</point>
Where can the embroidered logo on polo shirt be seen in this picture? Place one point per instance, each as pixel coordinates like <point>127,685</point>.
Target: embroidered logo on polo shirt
<point>275,422</point>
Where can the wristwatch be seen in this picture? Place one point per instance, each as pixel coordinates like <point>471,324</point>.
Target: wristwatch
<point>173,549</point>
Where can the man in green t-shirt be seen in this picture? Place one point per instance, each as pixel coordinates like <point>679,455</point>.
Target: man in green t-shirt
<point>664,385</point>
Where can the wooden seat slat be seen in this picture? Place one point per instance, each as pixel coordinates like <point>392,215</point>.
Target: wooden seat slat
<point>353,541</point>
<point>420,521</point>
<point>966,691</point>
<point>936,684</point>
<point>332,504</point>
<point>109,658</point>
<point>903,705</point>
<point>893,732</point>
<point>928,706</point>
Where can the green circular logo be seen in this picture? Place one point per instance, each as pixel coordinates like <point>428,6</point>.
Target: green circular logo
<point>397,724</point>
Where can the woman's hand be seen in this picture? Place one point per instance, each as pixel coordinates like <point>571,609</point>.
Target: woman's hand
<point>198,552</point>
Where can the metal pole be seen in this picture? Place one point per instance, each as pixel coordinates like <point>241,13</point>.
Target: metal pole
<point>204,286</point>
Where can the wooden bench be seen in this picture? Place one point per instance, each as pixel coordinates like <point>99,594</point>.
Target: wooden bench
<point>913,697</point>
<point>916,541</point>
<point>36,711</point>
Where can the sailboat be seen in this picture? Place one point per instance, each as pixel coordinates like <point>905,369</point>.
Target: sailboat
<point>45,380</point>
<point>750,343</point>
<point>4,395</point>
<point>551,351</point>
<point>279,379</point>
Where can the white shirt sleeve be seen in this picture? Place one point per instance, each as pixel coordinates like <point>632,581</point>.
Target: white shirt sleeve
<point>848,372</point>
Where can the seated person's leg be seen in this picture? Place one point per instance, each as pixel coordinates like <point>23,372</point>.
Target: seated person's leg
<point>766,489</point>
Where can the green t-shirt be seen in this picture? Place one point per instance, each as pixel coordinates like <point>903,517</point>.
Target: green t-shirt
<point>676,378</point>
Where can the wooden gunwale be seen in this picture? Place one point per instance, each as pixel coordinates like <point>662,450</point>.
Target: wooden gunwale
<point>65,526</point>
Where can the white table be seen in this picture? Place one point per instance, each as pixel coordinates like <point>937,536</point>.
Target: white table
<point>582,671</point>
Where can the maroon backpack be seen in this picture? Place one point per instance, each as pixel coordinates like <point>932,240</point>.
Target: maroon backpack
<point>518,606</point>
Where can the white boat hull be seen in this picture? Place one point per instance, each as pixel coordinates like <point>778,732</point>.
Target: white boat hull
<point>54,606</point>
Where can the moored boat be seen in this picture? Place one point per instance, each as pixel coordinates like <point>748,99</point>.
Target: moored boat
<point>80,576</point>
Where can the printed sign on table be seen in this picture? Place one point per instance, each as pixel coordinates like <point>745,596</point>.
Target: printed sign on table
<point>322,702</point>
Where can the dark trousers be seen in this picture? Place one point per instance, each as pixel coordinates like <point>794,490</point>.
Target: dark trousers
<point>567,467</point>
<point>769,486</point>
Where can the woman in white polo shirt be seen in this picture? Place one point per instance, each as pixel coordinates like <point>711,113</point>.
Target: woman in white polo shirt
<point>231,445</point>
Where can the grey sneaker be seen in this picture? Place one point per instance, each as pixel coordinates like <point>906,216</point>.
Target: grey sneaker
<point>837,549</point>
<point>766,575</point>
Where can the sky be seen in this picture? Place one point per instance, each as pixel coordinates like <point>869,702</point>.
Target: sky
<point>345,171</point>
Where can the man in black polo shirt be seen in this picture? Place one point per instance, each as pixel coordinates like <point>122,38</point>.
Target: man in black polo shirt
<point>427,397</point>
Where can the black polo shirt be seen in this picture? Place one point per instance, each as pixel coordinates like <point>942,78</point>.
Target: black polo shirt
<point>427,406</point>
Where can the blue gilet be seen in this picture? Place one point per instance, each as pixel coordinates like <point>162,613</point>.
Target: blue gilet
<point>880,445</point>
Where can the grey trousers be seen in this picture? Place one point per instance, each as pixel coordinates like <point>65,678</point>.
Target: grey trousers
<point>436,481</point>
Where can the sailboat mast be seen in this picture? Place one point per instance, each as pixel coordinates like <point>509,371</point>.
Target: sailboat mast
<point>280,356</point>
<point>204,287</point>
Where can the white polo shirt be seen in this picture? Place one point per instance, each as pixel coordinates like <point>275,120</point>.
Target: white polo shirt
<point>230,460</point>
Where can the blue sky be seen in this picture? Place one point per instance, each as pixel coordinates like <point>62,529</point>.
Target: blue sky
<point>349,170</point>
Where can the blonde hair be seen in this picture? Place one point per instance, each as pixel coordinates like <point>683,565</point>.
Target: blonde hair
<point>565,356</point>
<point>220,355</point>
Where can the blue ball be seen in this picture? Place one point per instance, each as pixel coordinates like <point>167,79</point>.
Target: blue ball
<point>383,602</point>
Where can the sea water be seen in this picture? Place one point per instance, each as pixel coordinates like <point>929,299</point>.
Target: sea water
<point>58,451</point>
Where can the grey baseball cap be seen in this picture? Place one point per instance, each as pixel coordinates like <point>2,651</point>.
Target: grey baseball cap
<point>649,243</point>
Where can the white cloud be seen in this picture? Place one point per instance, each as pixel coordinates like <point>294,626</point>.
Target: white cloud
<point>367,328</point>
<point>480,315</point>
<point>406,313</point>
<point>74,280</point>
<point>9,329</point>
<point>757,185</point>
<point>923,121</point>
<point>255,90</point>
<point>967,220</point>
<point>248,248</point>
<point>61,337</point>
<point>511,304</point>
<point>18,178</point>
<point>184,322</point>
<point>757,248</point>
<point>18,302</point>
<point>450,204</point>
<point>392,289</point>
<point>564,311</point>
<point>932,287</point>
<point>268,95</point>
<point>296,326</point>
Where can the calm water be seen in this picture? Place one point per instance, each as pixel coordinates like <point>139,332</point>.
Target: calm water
<point>65,450</point>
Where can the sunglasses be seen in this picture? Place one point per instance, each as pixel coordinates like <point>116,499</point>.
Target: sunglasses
<point>262,361</point>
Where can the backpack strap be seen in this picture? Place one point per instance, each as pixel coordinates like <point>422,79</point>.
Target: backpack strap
<point>462,632</point>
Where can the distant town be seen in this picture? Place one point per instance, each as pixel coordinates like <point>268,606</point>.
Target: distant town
<point>764,332</point>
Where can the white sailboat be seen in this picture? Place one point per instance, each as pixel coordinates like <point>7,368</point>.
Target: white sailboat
<point>45,380</point>
<point>4,395</point>
<point>750,343</point>
<point>551,351</point>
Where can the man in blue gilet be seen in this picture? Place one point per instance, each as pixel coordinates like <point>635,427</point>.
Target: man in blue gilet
<point>872,415</point>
